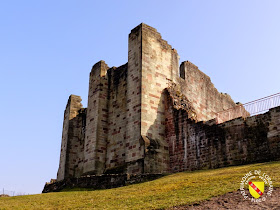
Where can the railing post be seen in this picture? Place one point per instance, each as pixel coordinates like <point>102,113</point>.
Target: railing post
<point>253,108</point>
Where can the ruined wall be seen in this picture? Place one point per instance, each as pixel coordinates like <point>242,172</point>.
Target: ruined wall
<point>134,146</point>
<point>96,120</point>
<point>130,125</point>
<point>69,136</point>
<point>159,63</point>
<point>62,160</point>
<point>104,181</point>
<point>76,141</point>
<point>117,100</point>
<point>159,69</point>
<point>199,89</point>
<point>202,145</point>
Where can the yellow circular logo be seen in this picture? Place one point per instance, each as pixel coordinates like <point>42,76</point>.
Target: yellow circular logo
<point>259,185</point>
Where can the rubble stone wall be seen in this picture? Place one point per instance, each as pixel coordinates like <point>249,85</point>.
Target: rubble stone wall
<point>204,145</point>
<point>104,181</point>
<point>199,89</point>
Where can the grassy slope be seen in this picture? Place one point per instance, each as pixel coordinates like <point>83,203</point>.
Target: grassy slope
<point>172,190</point>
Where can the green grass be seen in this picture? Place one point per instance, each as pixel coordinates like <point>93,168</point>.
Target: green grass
<point>172,190</point>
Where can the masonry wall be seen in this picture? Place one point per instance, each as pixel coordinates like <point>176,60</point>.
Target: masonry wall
<point>69,137</point>
<point>160,67</point>
<point>96,121</point>
<point>204,145</point>
<point>64,140</point>
<point>159,63</point>
<point>131,126</point>
<point>117,107</point>
<point>76,141</point>
<point>199,89</point>
<point>134,156</point>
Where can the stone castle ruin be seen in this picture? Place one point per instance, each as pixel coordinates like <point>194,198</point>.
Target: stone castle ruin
<point>152,115</point>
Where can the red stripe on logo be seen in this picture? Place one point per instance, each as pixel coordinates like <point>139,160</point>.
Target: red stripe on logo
<point>255,188</point>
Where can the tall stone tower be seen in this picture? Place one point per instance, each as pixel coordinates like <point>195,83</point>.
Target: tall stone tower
<point>123,128</point>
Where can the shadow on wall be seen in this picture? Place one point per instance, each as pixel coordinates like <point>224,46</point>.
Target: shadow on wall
<point>206,145</point>
<point>190,145</point>
<point>176,143</point>
<point>156,154</point>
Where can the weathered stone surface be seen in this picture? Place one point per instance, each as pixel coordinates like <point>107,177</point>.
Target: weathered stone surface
<point>72,144</point>
<point>96,120</point>
<point>150,116</point>
<point>105,181</point>
<point>204,145</point>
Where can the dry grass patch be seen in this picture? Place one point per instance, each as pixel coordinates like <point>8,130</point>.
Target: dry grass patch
<point>172,190</point>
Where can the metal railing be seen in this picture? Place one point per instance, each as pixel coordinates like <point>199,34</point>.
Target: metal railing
<point>249,109</point>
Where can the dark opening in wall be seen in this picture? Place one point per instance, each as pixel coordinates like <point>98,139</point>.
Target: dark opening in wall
<point>182,71</point>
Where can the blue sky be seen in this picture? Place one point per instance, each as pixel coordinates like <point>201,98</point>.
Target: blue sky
<point>47,49</point>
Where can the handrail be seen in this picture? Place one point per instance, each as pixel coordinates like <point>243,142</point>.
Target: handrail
<point>249,109</point>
